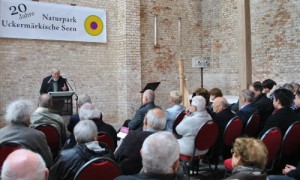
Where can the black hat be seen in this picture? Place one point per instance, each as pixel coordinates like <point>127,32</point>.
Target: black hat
<point>151,86</point>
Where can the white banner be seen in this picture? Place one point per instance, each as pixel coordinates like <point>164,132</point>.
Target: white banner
<point>37,20</point>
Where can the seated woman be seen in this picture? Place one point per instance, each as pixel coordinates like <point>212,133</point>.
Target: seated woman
<point>175,110</point>
<point>249,159</point>
<point>190,125</point>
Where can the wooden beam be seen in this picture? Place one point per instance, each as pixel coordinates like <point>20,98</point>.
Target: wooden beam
<point>244,43</point>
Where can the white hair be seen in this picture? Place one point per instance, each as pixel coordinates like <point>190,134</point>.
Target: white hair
<point>159,152</point>
<point>88,111</point>
<point>34,168</point>
<point>84,98</point>
<point>85,131</point>
<point>199,102</point>
<point>156,119</point>
<point>18,112</point>
<point>149,94</point>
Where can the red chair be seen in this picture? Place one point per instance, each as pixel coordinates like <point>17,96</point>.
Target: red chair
<point>233,130</point>
<point>205,139</point>
<point>52,137</point>
<point>178,119</point>
<point>252,126</point>
<point>272,139</point>
<point>6,148</point>
<point>107,139</point>
<point>290,146</point>
<point>99,168</point>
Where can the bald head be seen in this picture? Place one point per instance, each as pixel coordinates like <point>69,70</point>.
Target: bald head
<point>24,164</point>
<point>155,119</point>
<point>45,101</point>
<point>219,104</point>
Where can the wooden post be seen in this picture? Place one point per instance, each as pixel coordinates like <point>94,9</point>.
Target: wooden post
<point>244,43</point>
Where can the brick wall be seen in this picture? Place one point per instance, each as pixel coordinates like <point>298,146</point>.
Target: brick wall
<point>114,73</point>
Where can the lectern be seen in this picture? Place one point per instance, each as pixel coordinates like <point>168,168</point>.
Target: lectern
<point>62,102</point>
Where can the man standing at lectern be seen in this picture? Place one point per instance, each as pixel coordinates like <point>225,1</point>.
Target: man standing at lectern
<point>54,83</point>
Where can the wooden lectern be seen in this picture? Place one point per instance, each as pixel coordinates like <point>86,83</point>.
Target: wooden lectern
<point>62,102</point>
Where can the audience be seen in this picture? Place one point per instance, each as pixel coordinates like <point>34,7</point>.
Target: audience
<point>222,115</point>
<point>268,87</point>
<point>17,129</point>
<point>297,103</point>
<point>24,164</point>
<point>214,93</point>
<point>74,119</point>
<point>283,116</point>
<point>175,110</point>
<point>289,173</point>
<point>91,112</point>
<point>247,108</point>
<point>264,105</point>
<point>190,125</point>
<point>296,87</point>
<point>249,159</point>
<point>42,115</point>
<point>204,93</point>
<point>70,161</point>
<point>160,157</point>
<point>128,154</point>
<point>136,123</point>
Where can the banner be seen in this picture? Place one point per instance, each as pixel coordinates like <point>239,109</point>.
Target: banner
<point>37,20</point>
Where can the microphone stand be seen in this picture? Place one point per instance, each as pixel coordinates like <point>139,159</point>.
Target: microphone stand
<point>76,96</point>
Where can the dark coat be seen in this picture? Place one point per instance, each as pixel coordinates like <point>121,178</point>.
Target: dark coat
<point>246,112</point>
<point>101,126</point>
<point>29,137</point>
<point>70,161</point>
<point>247,173</point>
<point>282,119</point>
<point>265,108</point>
<point>222,118</point>
<point>128,154</point>
<point>136,122</point>
<point>48,87</point>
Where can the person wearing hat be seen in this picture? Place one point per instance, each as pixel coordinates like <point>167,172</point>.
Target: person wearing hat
<point>190,125</point>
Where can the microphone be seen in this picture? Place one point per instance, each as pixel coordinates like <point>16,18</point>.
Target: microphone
<point>50,80</point>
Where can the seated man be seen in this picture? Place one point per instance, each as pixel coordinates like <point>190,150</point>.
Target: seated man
<point>128,154</point>
<point>42,115</point>
<point>17,129</point>
<point>70,161</point>
<point>89,111</point>
<point>264,105</point>
<point>24,164</point>
<point>284,116</point>
<point>160,154</point>
<point>222,115</point>
<point>297,103</point>
<point>247,108</point>
<point>74,119</point>
<point>136,123</point>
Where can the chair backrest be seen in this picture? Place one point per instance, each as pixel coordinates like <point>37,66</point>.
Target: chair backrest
<point>272,139</point>
<point>291,140</point>
<point>252,126</point>
<point>107,139</point>
<point>206,136</point>
<point>99,168</point>
<point>233,130</point>
<point>178,119</point>
<point>6,148</point>
<point>52,136</point>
